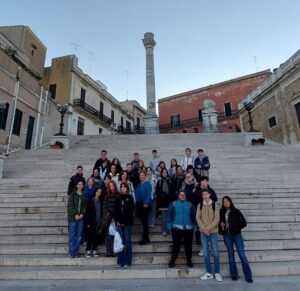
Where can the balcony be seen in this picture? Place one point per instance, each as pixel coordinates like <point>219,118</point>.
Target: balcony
<point>92,111</point>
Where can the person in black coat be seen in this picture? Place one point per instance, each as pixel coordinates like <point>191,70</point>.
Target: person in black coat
<point>103,158</point>
<point>75,179</point>
<point>92,218</point>
<point>231,223</point>
<point>177,180</point>
<point>164,196</point>
<point>124,211</point>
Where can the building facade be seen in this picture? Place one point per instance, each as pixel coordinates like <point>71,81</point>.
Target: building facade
<point>276,110</point>
<point>138,113</point>
<point>182,113</point>
<point>22,60</point>
<point>92,109</point>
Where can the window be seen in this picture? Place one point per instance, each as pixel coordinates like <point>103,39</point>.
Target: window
<point>101,108</point>
<point>138,121</point>
<point>196,130</point>
<point>272,121</point>
<point>17,122</point>
<point>128,126</point>
<point>100,130</point>
<point>3,116</point>
<point>200,115</point>
<point>112,116</point>
<point>297,107</point>
<point>52,90</point>
<point>175,120</point>
<point>228,111</point>
<point>80,126</point>
<point>82,97</point>
<point>122,121</point>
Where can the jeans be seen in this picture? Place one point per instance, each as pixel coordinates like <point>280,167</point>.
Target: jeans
<point>164,220</point>
<point>238,241</point>
<point>152,214</point>
<point>75,232</point>
<point>177,236</point>
<point>125,257</point>
<point>213,238</point>
<point>144,215</point>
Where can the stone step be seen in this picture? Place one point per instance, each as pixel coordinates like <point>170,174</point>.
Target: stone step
<point>34,210</point>
<point>139,259</point>
<point>11,200</point>
<point>159,247</point>
<point>137,272</point>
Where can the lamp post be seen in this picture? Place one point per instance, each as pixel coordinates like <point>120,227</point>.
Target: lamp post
<point>13,114</point>
<point>249,105</point>
<point>62,109</point>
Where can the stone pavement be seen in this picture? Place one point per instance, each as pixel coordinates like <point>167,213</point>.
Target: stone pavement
<point>291,283</point>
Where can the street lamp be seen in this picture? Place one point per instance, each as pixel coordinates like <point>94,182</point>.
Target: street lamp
<point>2,105</point>
<point>249,105</point>
<point>62,109</point>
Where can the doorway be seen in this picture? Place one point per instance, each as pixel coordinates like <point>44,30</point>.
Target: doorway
<point>29,133</point>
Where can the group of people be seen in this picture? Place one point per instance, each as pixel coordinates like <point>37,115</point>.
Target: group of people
<point>103,208</point>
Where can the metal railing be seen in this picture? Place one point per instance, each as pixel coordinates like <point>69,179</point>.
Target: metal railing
<point>88,108</point>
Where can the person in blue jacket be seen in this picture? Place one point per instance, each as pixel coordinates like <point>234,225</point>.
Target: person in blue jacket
<point>202,164</point>
<point>181,221</point>
<point>143,198</point>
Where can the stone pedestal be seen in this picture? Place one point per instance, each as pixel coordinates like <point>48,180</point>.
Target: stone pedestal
<point>210,121</point>
<point>64,139</point>
<point>2,158</point>
<point>151,125</point>
<point>248,136</point>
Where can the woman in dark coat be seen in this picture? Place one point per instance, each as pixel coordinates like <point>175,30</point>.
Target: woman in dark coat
<point>232,222</point>
<point>124,209</point>
<point>164,196</point>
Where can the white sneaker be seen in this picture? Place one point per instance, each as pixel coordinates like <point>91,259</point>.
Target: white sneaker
<point>218,277</point>
<point>200,253</point>
<point>206,276</point>
<point>95,254</point>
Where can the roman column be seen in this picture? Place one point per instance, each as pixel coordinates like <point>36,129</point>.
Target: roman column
<point>151,119</point>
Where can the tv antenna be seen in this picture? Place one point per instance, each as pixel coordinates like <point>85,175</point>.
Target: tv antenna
<point>255,62</point>
<point>76,46</point>
<point>92,59</point>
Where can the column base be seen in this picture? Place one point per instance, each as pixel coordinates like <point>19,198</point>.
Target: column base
<point>60,139</point>
<point>151,125</point>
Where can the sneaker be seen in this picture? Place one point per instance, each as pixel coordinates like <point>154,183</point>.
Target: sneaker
<point>190,264</point>
<point>118,266</point>
<point>95,254</point>
<point>234,278</point>
<point>126,266</point>
<point>218,277</point>
<point>206,276</point>
<point>172,265</point>
<point>88,254</point>
<point>200,253</point>
<point>249,280</point>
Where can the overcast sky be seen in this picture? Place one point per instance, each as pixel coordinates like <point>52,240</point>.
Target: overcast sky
<point>198,42</point>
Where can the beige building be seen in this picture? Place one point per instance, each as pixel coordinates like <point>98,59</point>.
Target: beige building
<point>93,110</point>
<point>22,59</point>
<point>277,104</point>
<point>138,113</point>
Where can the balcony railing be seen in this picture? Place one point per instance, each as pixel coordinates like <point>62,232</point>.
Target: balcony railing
<point>88,108</point>
<point>195,121</point>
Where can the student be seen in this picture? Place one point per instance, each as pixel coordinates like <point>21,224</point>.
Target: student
<point>187,159</point>
<point>189,186</point>
<point>103,158</point>
<point>92,217</point>
<point>162,165</point>
<point>97,179</point>
<point>75,179</point>
<point>133,174</point>
<point>124,209</point>
<point>113,173</point>
<point>232,222</point>
<point>135,161</point>
<point>164,196</point>
<point>152,179</point>
<point>123,177</point>
<point>104,170</point>
<point>76,210</point>
<point>117,163</point>
<point>89,188</point>
<point>178,179</point>
<point>208,218</point>
<point>109,206</point>
<point>143,196</point>
<point>204,185</point>
<point>202,164</point>
<point>155,160</point>
<point>172,169</point>
<point>181,221</point>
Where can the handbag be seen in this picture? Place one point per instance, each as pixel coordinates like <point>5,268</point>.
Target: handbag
<point>104,223</point>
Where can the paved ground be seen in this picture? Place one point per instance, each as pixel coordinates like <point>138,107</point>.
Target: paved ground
<point>260,284</point>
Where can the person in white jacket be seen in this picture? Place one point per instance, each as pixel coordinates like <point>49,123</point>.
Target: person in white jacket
<point>187,159</point>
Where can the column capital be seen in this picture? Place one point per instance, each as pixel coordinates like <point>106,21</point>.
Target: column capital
<point>148,40</point>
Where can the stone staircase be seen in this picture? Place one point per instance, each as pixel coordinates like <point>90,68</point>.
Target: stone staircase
<point>263,181</point>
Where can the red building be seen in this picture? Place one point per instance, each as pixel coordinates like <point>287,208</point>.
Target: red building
<point>183,112</point>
